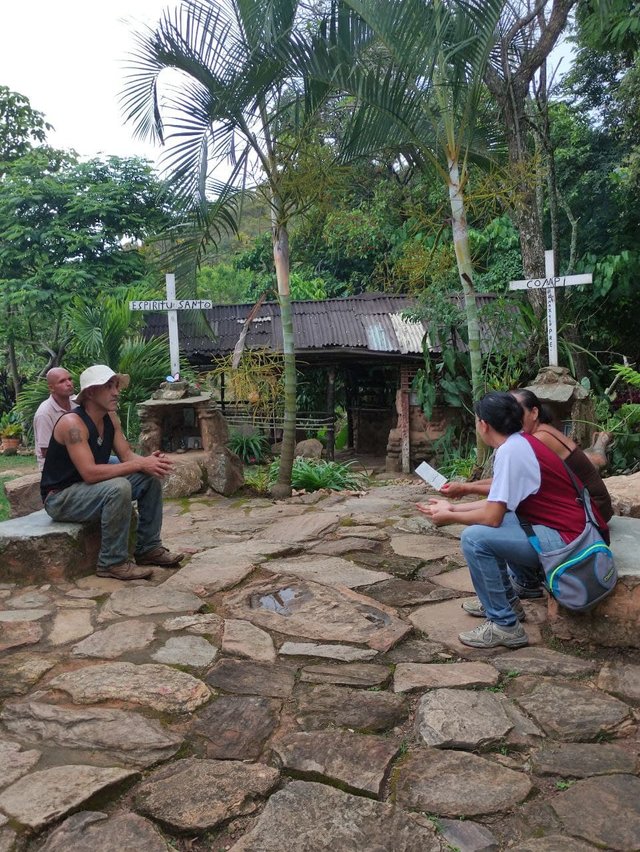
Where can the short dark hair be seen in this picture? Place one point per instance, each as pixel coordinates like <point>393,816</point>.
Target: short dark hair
<point>500,410</point>
<point>529,400</point>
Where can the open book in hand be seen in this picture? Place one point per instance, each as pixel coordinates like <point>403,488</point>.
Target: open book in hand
<point>431,476</point>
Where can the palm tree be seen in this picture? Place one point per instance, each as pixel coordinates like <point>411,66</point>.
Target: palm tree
<point>420,85</point>
<point>213,82</point>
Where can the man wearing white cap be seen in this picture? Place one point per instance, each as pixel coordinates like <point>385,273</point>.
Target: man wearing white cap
<point>78,483</point>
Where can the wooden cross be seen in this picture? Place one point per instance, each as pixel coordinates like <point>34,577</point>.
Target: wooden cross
<point>550,283</point>
<point>172,306</point>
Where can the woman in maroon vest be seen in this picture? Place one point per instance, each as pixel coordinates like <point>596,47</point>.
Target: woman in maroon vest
<point>528,478</point>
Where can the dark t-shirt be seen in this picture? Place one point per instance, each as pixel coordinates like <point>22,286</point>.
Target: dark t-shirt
<point>59,471</point>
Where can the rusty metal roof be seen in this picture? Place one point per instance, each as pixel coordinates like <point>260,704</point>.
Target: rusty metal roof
<point>369,323</point>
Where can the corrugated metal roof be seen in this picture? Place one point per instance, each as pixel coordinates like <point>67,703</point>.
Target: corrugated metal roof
<point>371,322</point>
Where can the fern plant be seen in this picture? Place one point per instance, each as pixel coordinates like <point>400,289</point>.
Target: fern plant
<point>315,474</point>
<point>252,449</point>
<point>622,422</point>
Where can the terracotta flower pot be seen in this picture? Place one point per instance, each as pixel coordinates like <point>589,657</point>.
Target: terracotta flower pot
<point>10,446</point>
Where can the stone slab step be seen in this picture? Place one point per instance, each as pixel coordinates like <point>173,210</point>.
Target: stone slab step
<point>35,549</point>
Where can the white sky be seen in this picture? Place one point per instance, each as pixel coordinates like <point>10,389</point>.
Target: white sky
<point>68,57</point>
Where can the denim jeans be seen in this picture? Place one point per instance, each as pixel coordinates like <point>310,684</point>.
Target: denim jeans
<point>110,503</point>
<point>489,551</point>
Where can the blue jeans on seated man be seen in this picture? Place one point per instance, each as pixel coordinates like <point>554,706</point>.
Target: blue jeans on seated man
<point>110,503</point>
<point>492,551</point>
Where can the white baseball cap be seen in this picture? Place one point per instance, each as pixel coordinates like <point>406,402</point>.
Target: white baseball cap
<point>98,375</point>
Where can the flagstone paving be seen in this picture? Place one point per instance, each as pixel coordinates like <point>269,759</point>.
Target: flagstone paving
<point>298,685</point>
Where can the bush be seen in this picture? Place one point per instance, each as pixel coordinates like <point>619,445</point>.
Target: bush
<point>252,449</point>
<point>10,425</point>
<point>312,475</point>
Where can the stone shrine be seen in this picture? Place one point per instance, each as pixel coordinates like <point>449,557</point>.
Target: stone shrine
<point>567,401</point>
<point>179,417</point>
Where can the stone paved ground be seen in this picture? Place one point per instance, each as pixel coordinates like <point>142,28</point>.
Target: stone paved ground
<point>298,686</point>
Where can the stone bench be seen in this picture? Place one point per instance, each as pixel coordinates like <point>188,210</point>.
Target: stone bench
<point>35,549</point>
<point>615,623</point>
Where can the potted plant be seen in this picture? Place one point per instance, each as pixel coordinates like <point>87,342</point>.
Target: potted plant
<point>10,432</point>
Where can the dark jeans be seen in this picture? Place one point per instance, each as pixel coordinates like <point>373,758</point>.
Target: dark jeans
<point>110,503</point>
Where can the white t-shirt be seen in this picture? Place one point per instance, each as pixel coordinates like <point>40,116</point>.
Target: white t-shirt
<point>516,472</point>
<point>46,417</point>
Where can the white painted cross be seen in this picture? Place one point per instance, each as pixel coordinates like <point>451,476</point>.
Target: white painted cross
<point>549,283</point>
<point>172,306</point>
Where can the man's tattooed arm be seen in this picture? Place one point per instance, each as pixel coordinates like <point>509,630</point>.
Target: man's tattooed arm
<point>75,436</point>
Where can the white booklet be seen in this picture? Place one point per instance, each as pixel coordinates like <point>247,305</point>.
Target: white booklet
<point>431,476</point>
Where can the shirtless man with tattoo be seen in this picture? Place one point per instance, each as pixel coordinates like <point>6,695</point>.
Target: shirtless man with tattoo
<point>78,483</point>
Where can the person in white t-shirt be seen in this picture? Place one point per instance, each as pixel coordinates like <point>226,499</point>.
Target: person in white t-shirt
<point>530,478</point>
<point>58,402</point>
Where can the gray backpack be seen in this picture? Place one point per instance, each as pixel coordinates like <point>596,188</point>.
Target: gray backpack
<point>582,573</point>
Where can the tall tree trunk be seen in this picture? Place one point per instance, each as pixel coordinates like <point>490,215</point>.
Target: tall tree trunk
<point>282,488</point>
<point>13,367</point>
<point>465,270</point>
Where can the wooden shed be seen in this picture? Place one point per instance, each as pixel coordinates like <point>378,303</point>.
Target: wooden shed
<point>366,348</point>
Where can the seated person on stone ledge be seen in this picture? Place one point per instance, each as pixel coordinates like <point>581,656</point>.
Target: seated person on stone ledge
<point>529,479</point>
<point>78,483</point>
<point>58,402</point>
<point>536,421</point>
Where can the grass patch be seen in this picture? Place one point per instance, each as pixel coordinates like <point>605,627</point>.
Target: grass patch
<point>14,464</point>
<point>17,462</point>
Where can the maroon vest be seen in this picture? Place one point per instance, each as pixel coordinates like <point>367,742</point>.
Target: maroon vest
<point>556,504</point>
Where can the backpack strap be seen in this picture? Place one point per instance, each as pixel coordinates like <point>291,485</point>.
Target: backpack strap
<point>583,497</point>
<point>530,533</point>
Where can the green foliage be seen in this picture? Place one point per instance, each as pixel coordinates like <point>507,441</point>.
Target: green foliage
<point>252,449</point>
<point>342,436</point>
<point>619,414</point>
<point>29,398</point>
<point>106,332</point>
<point>313,475</point>
<point>456,453</point>
<point>225,284</point>
<point>68,231</point>
<point>10,425</point>
<point>444,382</point>
<point>257,478</point>
<point>20,125</point>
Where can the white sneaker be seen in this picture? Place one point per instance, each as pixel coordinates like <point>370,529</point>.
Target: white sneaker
<point>490,635</point>
<point>472,606</point>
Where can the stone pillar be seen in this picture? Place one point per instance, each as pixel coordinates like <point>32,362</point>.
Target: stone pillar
<point>213,427</point>
<point>150,430</point>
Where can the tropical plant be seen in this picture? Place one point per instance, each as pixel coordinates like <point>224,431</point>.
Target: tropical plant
<point>314,474</point>
<point>619,414</point>
<point>237,100</point>
<point>256,378</point>
<point>257,479</point>
<point>455,453</point>
<point>425,93</point>
<point>107,332</point>
<point>10,425</point>
<point>252,449</point>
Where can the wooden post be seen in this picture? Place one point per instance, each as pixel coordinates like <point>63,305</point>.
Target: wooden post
<point>331,410</point>
<point>405,436</point>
